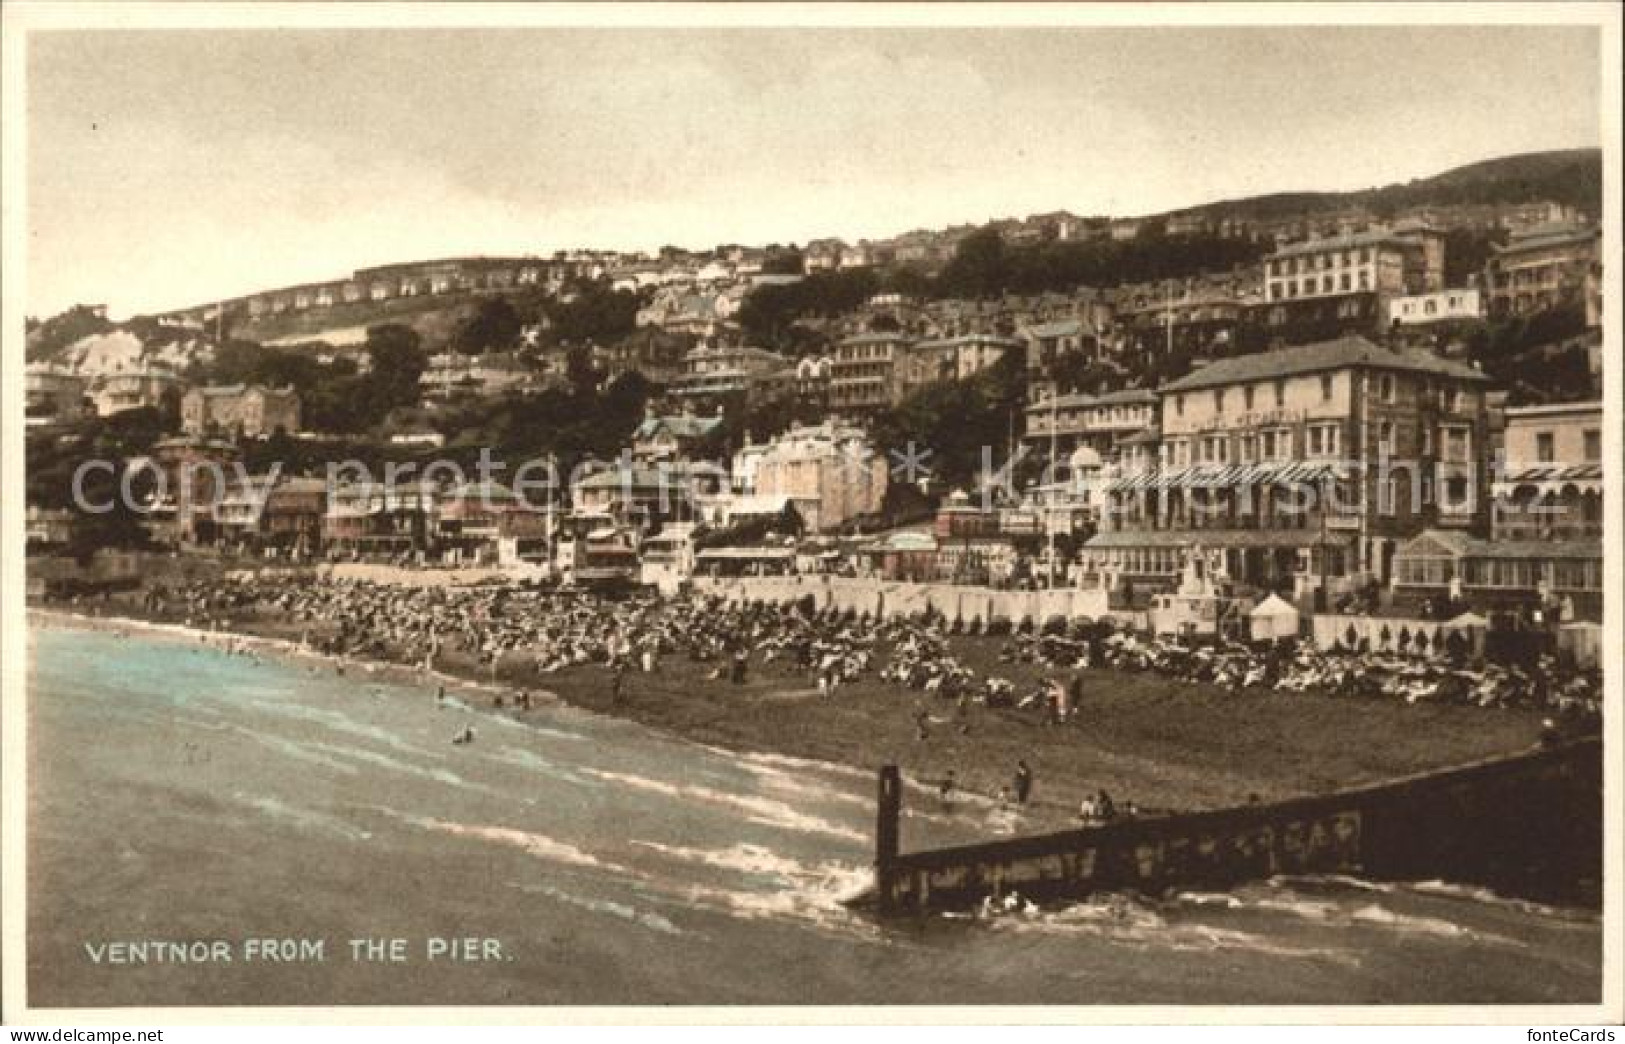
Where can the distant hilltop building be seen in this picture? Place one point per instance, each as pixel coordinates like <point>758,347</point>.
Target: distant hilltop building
<point>239,409</point>
<point>52,395</point>
<point>1544,266</point>
<point>1339,284</point>
<point>411,279</point>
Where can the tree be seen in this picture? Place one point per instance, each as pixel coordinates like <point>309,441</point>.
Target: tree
<point>979,267</point>
<point>398,361</point>
<point>494,326</point>
<point>580,371</point>
<point>597,313</point>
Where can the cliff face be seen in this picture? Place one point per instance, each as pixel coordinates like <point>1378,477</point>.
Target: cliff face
<point>123,350</point>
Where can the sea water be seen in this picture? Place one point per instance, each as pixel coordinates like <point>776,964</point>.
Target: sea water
<point>311,837</point>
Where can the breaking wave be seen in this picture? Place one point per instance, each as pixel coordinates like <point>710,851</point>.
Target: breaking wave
<point>759,810</point>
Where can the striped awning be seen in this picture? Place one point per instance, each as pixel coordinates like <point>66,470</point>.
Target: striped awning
<point>1551,478</point>
<point>1231,476</point>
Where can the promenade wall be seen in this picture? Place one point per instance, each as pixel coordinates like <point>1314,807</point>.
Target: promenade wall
<point>889,600</point>
<point>400,576</point>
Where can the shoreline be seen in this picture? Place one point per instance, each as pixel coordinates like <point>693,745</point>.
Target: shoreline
<point>1171,749</point>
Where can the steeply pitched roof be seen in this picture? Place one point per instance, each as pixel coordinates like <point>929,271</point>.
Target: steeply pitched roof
<point>1341,354</point>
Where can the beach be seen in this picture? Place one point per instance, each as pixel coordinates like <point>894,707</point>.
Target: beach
<point>1162,743</point>
<point>239,796</point>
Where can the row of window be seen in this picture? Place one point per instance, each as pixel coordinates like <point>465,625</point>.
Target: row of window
<point>1546,446</point>
<point>1388,386</point>
<point>1322,440</point>
<point>1343,283</point>
<point>1312,262</point>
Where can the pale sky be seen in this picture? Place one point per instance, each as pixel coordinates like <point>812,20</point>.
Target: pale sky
<point>169,168</point>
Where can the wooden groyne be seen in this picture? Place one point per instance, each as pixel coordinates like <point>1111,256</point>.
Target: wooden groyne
<point>1528,825</point>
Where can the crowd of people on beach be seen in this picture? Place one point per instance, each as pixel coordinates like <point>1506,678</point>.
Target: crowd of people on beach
<point>830,648</point>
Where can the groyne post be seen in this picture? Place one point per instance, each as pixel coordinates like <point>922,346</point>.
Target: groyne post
<point>888,810</point>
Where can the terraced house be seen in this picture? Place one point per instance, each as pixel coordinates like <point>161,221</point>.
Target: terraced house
<point>1303,469</point>
<point>864,372</point>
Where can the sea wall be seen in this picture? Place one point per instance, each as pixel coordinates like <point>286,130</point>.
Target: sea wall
<point>889,600</point>
<point>1527,825</point>
<point>400,576</point>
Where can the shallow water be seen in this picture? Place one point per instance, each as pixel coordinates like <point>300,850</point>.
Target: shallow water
<point>181,793</point>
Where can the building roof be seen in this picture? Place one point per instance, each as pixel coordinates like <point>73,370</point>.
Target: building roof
<point>228,390</point>
<point>1215,538</point>
<point>1059,328</point>
<point>1546,235</point>
<point>1341,354</point>
<point>1127,396</point>
<point>1463,546</point>
<point>970,339</point>
<point>877,338</point>
<point>759,504</point>
<point>638,478</point>
<point>1371,237</point>
<point>909,540</point>
<point>1554,409</point>
<point>679,425</point>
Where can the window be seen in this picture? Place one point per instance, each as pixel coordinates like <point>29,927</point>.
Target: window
<point>1544,450</point>
<point>1280,394</point>
<point>1326,387</point>
<point>1458,444</point>
<point>1247,398</point>
<point>1218,400</point>
<point>1386,386</point>
<point>1179,405</point>
<point>1593,444</point>
<point>1365,280</point>
<point>1343,282</point>
<point>1427,440</point>
<point>1385,437</point>
<point>1323,440</point>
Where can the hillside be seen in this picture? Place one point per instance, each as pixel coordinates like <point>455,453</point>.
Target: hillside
<point>1569,176</point>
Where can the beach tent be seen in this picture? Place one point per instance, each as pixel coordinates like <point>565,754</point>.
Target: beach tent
<point>1469,626</point>
<point>1274,617</point>
<point>1583,639</point>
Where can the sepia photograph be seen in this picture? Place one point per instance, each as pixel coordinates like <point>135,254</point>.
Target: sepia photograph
<point>814,506</point>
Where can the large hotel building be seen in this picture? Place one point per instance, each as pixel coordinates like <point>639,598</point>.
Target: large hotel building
<point>1302,469</point>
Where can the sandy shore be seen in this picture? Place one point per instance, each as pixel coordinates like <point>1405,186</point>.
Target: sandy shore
<point>1164,744</point>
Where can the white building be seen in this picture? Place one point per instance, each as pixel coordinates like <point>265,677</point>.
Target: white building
<point>1449,305</point>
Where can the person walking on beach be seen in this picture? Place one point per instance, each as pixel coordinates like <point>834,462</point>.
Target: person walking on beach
<point>617,685</point>
<point>1023,782</point>
<point>945,790</point>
